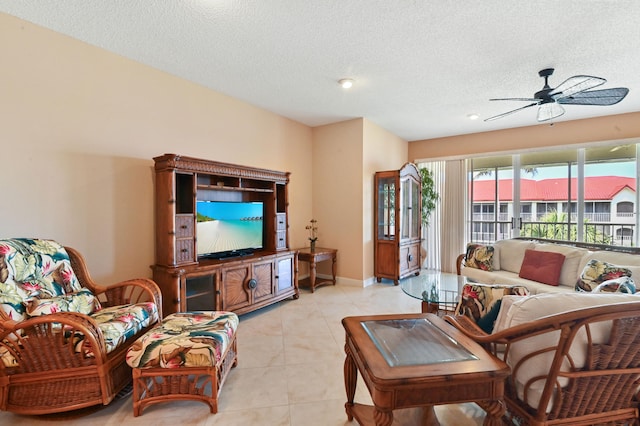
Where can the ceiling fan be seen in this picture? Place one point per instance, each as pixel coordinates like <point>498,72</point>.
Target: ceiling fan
<point>573,91</point>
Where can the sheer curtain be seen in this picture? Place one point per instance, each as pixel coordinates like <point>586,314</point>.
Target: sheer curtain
<point>445,236</point>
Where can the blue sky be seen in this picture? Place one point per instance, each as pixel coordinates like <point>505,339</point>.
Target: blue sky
<point>626,169</point>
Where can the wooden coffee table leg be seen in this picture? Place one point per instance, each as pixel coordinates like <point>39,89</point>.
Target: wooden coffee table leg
<point>350,380</point>
<point>495,411</point>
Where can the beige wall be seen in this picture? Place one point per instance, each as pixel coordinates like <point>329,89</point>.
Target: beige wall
<point>612,127</point>
<point>345,157</point>
<point>337,199</point>
<point>79,127</point>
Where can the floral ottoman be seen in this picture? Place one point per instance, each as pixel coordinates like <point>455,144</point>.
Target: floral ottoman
<point>187,357</point>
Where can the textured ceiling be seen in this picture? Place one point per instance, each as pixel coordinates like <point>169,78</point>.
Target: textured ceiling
<point>420,67</point>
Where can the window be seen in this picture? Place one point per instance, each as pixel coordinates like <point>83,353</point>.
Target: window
<point>624,209</point>
<point>585,194</point>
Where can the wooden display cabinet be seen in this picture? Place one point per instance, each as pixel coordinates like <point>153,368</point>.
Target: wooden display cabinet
<point>240,284</point>
<point>397,219</point>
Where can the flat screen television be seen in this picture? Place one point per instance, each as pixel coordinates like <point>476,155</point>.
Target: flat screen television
<point>226,229</point>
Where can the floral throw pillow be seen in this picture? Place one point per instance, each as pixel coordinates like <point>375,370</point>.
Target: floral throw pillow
<point>481,302</point>
<point>479,256</point>
<point>619,285</point>
<point>597,272</point>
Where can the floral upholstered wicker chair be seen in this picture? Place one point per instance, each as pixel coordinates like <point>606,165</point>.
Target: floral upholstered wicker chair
<point>579,366</point>
<point>63,338</point>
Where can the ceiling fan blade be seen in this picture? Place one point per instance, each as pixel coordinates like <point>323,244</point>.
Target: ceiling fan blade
<point>549,110</point>
<point>495,117</point>
<point>516,99</point>
<point>576,84</point>
<point>596,97</point>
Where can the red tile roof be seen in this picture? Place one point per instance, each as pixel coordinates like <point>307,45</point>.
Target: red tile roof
<point>596,188</point>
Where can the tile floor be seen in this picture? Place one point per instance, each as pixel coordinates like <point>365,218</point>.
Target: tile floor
<point>290,370</point>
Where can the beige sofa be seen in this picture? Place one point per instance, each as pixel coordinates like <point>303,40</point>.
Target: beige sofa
<point>506,263</point>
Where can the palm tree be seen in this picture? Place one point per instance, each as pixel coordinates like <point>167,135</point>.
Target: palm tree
<point>556,226</point>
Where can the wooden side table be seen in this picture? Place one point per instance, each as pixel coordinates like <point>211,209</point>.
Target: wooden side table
<point>319,254</point>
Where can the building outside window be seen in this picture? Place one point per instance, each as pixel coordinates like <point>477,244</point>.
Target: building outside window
<point>585,194</point>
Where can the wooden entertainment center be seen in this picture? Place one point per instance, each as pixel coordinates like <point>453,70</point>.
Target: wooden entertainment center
<point>239,284</point>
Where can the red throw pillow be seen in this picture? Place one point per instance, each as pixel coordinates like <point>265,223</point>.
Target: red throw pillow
<point>542,266</point>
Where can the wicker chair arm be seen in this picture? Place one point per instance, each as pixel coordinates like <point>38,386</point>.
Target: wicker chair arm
<point>52,342</point>
<point>468,327</point>
<point>130,291</point>
<point>459,261</point>
<point>135,290</point>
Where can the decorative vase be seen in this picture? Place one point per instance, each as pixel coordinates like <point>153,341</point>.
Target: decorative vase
<point>313,245</point>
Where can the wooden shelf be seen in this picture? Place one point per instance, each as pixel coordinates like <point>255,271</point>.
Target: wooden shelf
<point>233,188</point>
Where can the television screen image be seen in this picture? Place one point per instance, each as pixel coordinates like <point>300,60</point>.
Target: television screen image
<point>224,228</point>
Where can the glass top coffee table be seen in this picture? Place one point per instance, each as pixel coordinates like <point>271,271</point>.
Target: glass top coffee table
<point>439,291</point>
<point>417,361</point>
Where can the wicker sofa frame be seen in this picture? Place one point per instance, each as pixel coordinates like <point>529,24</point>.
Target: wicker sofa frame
<point>52,376</point>
<point>604,391</point>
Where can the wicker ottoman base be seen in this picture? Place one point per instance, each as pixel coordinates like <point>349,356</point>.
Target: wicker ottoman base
<point>152,385</point>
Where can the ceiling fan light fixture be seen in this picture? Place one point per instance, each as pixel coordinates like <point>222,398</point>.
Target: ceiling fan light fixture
<point>549,111</point>
<point>346,83</point>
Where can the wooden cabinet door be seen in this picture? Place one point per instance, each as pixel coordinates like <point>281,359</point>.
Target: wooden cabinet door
<point>235,286</point>
<point>409,258</point>
<point>264,276</point>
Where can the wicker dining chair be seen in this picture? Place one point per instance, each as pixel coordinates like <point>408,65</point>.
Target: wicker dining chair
<point>580,367</point>
<point>61,361</point>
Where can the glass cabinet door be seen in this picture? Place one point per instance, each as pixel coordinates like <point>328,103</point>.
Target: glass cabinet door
<point>416,204</point>
<point>410,209</point>
<point>386,208</point>
<point>405,206</point>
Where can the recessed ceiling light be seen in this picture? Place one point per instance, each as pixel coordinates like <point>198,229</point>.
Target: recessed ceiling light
<point>473,116</point>
<point>346,83</point>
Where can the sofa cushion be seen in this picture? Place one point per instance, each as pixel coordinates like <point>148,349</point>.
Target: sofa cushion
<point>119,323</point>
<point>479,256</point>
<point>509,278</point>
<point>542,266</point>
<point>572,256</point>
<point>38,268</point>
<point>537,306</point>
<point>82,301</point>
<point>618,258</point>
<point>186,339</point>
<point>512,253</point>
<point>596,272</point>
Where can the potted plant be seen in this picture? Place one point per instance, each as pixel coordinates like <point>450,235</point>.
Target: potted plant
<point>429,199</point>
<point>313,233</point>
<point>429,195</point>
